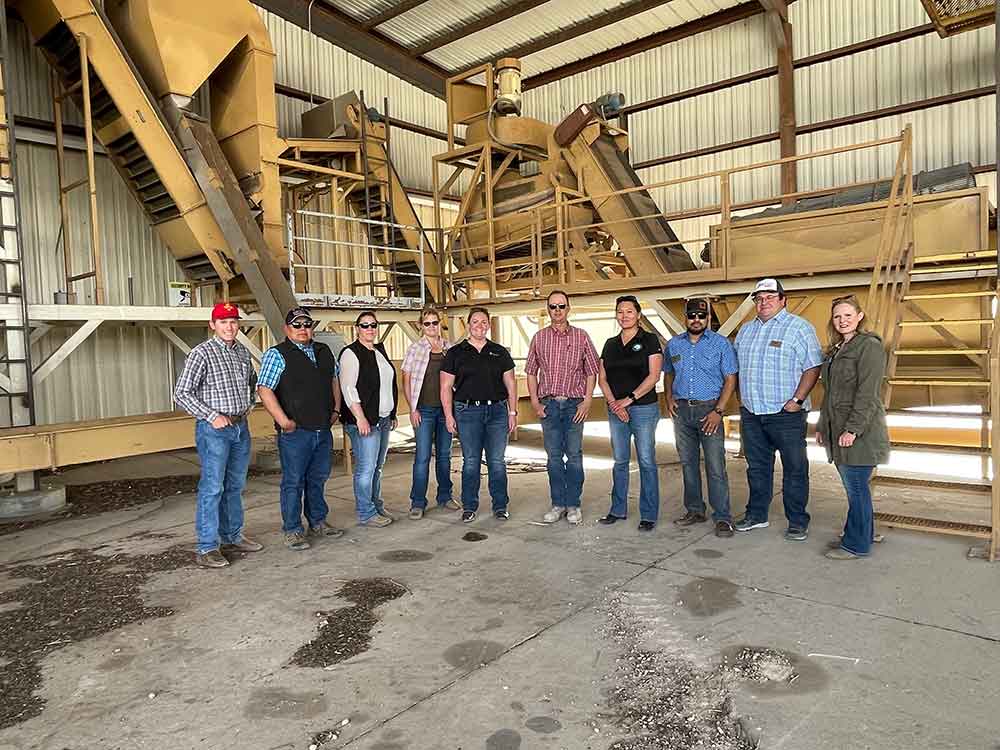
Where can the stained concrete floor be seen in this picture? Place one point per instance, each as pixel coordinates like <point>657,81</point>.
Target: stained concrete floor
<point>500,644</point>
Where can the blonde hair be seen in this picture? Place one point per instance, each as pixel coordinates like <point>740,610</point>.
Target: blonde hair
<point>429,310</point>
<point>835,337</point>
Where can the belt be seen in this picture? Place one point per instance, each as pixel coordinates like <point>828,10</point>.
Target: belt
<point>481,403</point>
<point>696,401</point>
<point>559,398</point>
<point>236,418</point>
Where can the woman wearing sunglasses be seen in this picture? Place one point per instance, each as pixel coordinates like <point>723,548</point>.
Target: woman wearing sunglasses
<point>368,384</point>
<point>852,420</point>
<point>630,367</point>
<point>422,387</point>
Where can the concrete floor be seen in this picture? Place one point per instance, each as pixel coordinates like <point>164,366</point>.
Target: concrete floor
<point>496,639</point>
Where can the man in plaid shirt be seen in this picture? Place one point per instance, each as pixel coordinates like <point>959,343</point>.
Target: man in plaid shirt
<point>562,370</point>
<point>779,361</point>
<point>216,387</point>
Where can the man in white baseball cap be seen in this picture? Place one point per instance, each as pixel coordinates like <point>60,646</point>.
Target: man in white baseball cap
<point>779,360</point>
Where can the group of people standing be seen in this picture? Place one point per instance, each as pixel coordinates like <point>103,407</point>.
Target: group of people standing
<point>468,389</point>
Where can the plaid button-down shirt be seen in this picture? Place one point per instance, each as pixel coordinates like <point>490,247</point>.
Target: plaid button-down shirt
<point>562,361</point>
<point>415,362</point>
<point>772,357</point>
<point>216,379</point>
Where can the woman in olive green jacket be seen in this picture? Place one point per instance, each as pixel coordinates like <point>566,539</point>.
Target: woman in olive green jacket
<point>852,419</point>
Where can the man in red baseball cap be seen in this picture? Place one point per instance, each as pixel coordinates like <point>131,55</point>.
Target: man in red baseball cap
<point>217,387</point>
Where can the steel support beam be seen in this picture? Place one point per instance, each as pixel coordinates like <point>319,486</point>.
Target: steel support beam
<point>595,23</point>
<point>706,23</point>
<point>479,24</point>
<point>340,29</point>
<point>899,109</point>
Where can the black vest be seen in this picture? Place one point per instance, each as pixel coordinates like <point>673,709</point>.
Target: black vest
<point>305,390</point>
<point>369,383</point>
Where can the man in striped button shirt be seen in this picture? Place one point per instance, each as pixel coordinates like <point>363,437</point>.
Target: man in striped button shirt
<point>216,387</point>
<point>779,358</point>
<point>562,370</point>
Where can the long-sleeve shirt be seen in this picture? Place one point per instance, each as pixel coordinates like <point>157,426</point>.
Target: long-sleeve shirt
<point>217,379</point>
<point>350,370</point>
<point>415,362</point>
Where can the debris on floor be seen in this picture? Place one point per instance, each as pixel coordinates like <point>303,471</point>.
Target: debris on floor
<point>68,598</point>
<point>763,665</point>
<point>661,697</point>
<point>347,632</point>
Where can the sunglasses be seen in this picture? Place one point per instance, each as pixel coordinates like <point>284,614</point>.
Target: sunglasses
<point>429,323</point>
<point>699,316</point>
<point>297,326</point>
<point>367,326</point>
<point>557,307</point>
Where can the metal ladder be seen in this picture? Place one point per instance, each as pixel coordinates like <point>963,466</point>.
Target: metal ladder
<point>17,403</point>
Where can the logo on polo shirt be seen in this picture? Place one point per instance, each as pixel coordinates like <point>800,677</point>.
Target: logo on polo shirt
<point>636,347</point>
<point>493,354</point>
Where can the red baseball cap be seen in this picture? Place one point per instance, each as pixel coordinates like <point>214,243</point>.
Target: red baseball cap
<point>225,310</point>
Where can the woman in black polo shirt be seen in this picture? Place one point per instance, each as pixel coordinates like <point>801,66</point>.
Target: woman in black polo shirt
<point>479,398</point>
<point>630,367</point>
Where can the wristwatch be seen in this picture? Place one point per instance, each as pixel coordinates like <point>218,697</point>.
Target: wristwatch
<point>717,410</point>
<point>798,400</point>
<point>632,396</point>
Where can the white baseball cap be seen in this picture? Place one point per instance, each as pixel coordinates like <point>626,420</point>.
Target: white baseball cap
<point>768,285</point>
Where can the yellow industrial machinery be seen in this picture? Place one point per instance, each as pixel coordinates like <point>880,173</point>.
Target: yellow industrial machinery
<point>181,95</point>
<point>509,230</point>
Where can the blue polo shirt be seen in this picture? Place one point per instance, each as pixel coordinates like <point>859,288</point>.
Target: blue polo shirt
<point>699,368</point>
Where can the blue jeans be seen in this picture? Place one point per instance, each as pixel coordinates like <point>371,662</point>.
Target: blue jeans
<point>305,467</point>
<point>641,426</point>
<point>859,531</point>
<point>483,428</point>
<point>762,435</point>
<point>369,458</point>
<point>563,440</point>
<point>691,441</point>
<point>432,432</point>
<point>225,457</point>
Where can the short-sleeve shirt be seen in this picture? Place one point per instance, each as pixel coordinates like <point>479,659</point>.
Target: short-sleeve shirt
<point>272,365</point>
<point>627,365</point>
<point>562,361</point>
<point>478,374</point>
<point>700,368</point>
<point>772,357</point>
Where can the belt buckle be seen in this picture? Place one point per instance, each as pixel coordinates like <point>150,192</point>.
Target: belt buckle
<point>561,398</point>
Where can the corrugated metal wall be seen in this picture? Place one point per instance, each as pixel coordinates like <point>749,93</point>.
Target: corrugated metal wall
<point>311,64</point>
<point>920,68</point>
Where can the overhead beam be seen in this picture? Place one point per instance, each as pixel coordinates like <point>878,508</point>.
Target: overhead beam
<point>700,25</point>
<point>803,62</point>
<point>391,12</point>
<point>334,26</point>
<point>460,32</point>
<point>898,109</point>
<point>596,23</point>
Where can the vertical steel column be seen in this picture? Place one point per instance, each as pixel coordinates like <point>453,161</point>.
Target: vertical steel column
<point>88,125</point>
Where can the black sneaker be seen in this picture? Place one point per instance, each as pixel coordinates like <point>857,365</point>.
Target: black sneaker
<point>468,516</point>
<point>610,519</point>
<point>647,525</point>
<point>502,515</point>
